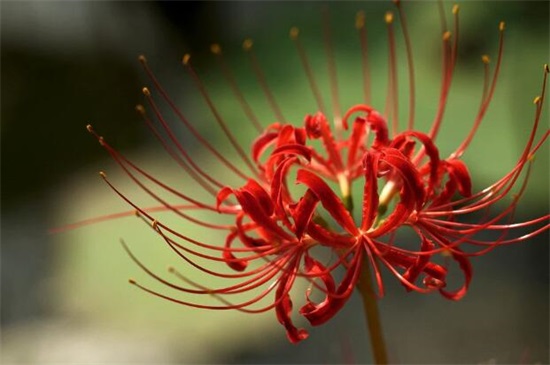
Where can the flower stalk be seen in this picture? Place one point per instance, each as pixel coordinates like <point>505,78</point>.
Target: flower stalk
<point>372,314</point>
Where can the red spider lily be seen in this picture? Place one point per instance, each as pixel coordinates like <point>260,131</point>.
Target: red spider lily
<point>274,234</point>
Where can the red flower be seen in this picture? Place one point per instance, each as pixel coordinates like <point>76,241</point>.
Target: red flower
<point>275,233</point>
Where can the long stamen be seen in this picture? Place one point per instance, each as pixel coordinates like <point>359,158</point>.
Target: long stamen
<point>182,118</point>
<point>392,99</point>
<point>362,30</point>
<point>486,60</point>
<point>294,35</point>
<point>410,65</point>
<point>336,112</point>
<point>190,166</point>
<point>483,108</point>
<point>247,46</point>
<point>228,75</point>
<point>187,63</point>
<point>446,79</point>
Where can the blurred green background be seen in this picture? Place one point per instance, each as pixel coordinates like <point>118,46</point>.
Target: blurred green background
<point>65,296</point>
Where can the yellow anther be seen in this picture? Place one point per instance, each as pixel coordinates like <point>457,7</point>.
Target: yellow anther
<point>294,32</point>
<point>186,58</point>
<point>247,44</point>
<point>146,91</point>
<point>546,68</point>
<point>140,109</point>
<point>102,174</point>
<point>155,224</point>
<point>537,100</point>
<point>215,48</point>
<point>501,26</point>
<point>388,17</point>
<point>90,128</point>
<point>456,8</point>
<point>360,20</point>
<point>446,36</point>
<point>142,59</point>
<point>485,59</point>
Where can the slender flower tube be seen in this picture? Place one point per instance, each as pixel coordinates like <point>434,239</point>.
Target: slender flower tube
<point>290,214</point>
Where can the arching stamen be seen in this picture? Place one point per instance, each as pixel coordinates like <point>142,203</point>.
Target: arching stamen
<point>454,54</point>
<point>247,46</point>
<point>392,104</point>
<point>410,64</point>
<point>187,63</point>
<point>181,118</point>
<point>228,75</point>
<point>294,35</point>
<point>484,106</point>
<point>187,162</point>
<point>362,30</point>
<point>486,60</point>
<point>446,80</point>
<point>336,112</point>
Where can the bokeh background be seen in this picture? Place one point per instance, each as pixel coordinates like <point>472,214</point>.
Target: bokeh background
<point>65,297</point>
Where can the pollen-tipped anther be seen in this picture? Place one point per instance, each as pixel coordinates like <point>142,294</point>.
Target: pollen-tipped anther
<point>485,59</point>
<point>102,174</point>
<point>456,8</point>
<point>501,26</point>
<point>546,68</point>
<point>388,18</point>
<point>155,224</point>
<point>90,128</point>
<point>360,19</point>
<point>132,281</point>
<point>247,44</point>
<point>537,100</point>
<point>215,49</point>
<point>142,59</point>
<point>146,91</point>
<point>294,32</point>
<point>140,109</point>
<point>185,59</point>
<point>446,36</point>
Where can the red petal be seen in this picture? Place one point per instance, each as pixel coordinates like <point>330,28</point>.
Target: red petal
<point>356,140</point>
<point>231,260</point>
<point>261,144</point>
<point>253,208</point>
<point>459,172</point>
<point>370,190</point>
<point>283,307</point>
<point>431,151</point>
<point>466,267</point>
<point>416,269</point>
<point>303,212</point>
<point>320,313</point>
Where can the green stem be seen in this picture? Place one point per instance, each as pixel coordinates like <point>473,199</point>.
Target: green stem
<point>370,306</point>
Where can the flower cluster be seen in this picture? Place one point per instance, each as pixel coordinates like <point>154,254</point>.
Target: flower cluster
<point>279,233</point>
